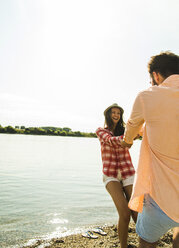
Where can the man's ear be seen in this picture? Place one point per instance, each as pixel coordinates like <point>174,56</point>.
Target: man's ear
<point>156,76</point>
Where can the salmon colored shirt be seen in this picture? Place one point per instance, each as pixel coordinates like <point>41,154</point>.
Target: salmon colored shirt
<point>158,167</point>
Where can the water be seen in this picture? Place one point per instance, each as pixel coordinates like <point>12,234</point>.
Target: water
<point>51,186</point>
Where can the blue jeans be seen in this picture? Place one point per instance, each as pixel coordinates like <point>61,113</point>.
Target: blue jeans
<point>152,223</point>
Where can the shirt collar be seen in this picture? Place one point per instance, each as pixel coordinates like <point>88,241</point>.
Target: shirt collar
<point>171,81</point>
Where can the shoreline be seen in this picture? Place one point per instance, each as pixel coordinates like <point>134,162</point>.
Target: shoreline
<point>108,241</point>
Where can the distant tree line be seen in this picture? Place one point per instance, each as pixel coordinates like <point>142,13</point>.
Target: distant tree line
<point>56,131</point>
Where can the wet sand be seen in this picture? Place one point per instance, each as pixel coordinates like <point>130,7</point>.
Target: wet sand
<point>108,241</point>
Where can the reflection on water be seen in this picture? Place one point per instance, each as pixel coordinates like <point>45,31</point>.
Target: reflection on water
<point>51,186</point>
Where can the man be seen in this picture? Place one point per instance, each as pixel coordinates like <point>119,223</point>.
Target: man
<point>156,189</point>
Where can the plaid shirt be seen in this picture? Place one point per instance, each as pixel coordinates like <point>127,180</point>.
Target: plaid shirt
<point>115,158</point>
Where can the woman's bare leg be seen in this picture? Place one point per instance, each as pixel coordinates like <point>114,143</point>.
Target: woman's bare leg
<point>128,192</point>
<point>115,189</point>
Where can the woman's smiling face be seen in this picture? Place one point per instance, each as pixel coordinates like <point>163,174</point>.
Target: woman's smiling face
<point>115,115</point>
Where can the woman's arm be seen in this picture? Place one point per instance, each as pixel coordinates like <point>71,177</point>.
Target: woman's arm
<point>105,137</point>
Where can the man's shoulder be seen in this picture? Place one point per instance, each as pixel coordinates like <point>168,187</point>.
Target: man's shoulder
<point>148,91</point>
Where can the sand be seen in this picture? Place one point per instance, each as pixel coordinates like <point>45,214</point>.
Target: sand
<point>108,241</point>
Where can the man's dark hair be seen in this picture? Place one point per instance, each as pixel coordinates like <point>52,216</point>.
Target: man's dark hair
<point>165,63</point>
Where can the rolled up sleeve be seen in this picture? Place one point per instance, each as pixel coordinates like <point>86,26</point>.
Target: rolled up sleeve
<point>105,137</point>
<point>135,122</point>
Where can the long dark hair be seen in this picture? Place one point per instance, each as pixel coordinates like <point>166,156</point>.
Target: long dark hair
<point>120,127</point>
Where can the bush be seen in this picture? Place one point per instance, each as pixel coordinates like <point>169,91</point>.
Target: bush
<point>10,129</point>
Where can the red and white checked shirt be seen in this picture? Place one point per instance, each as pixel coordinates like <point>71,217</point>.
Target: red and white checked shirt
<point>114,157</point>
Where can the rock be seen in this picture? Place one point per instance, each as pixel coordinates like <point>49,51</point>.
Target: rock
<point>57,241</point>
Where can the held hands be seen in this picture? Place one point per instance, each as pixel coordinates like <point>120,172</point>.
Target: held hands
<point>124,144</point>
<point>137,137</point>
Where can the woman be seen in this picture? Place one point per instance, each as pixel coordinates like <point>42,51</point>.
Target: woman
<point>118,170</point>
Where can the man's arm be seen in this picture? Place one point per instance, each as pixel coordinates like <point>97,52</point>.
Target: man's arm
<point>134,124</point>
<point>124,144</point>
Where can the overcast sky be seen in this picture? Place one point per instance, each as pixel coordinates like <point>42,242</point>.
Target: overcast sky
<point>64,61</point>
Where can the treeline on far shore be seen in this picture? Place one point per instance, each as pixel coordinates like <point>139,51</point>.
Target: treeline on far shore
<point>56,131</point>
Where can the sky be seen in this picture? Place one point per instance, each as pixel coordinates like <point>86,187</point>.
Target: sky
<point>63,62</point>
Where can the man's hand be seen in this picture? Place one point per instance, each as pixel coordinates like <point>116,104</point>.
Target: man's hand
<point>124,144</point>
<point>137,137</point>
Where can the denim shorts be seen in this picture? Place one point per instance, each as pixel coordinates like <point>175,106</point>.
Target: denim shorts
<point>152,223</point>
